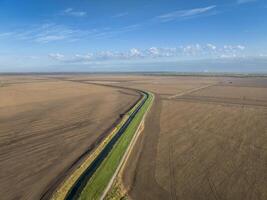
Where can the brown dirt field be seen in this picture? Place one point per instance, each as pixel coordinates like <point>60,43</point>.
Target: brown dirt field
<point>235,92</point>
<point>212,151</point>
<point>161,85</point>
<point>245,82</point>
<point>46,126</point>
<point>200,149</point>
<point>204,143</point>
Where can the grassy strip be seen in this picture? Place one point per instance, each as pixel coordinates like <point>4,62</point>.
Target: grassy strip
<point>97,184</point>
<point>65,187</point>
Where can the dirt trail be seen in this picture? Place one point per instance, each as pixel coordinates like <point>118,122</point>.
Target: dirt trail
<point>207,143</point>
<point>191,91</point>
<point>140,174</point>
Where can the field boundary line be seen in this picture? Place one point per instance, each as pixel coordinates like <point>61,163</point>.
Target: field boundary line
<point>191,91</point>
<point>127,153</point>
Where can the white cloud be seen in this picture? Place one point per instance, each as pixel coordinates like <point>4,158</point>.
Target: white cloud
<point>211,46</point>
<point>241,47</point>
<point>227,47</point>
<point>191,51</point>
<point>72,12</point>
<point>153,51</point>
<point>57,56</point>
<point>115,32</point>
<point>160,52</point>
<point>234,48</point>
<point>228,56</point>
<point>85,57</point>
<point>50,38</point>
<point>182,14</point>
<point>46,33</point>
<point>135,53</point>
<point>52,32</point>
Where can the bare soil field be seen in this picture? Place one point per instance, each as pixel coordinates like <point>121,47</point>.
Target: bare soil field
<point>204,138</point>
<point>162,85</point>
<point>208,151</point>
<point>195,148</point>
<point>47,125</point>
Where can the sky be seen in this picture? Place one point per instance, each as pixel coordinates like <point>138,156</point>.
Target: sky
<point>133,35</point>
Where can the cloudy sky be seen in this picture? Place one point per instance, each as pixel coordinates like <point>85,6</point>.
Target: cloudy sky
<point>140,35</point>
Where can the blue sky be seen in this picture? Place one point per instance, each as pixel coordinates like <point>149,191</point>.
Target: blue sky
<point>133,35</point>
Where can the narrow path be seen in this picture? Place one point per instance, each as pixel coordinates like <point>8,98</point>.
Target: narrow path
<point>191,91</point>
<point>141,167</point>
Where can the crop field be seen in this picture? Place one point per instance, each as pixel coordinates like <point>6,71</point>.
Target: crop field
<point>47,125</point>
<point>205,137</point>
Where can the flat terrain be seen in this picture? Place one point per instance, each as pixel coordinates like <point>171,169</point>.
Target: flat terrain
<point>46,125</point>
<point>205,138</point>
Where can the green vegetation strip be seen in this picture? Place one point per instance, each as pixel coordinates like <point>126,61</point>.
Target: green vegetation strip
<point>99,181</point>
<point>62,191</point>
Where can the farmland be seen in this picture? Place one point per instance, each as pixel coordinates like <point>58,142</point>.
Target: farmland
<point>205,144</point>
<point>47,125</point>
<point>205,137</point>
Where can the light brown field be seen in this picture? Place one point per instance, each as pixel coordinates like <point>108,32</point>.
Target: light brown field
<point>47,126</point>
<point>207,143</point>
<point>204,138</point>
